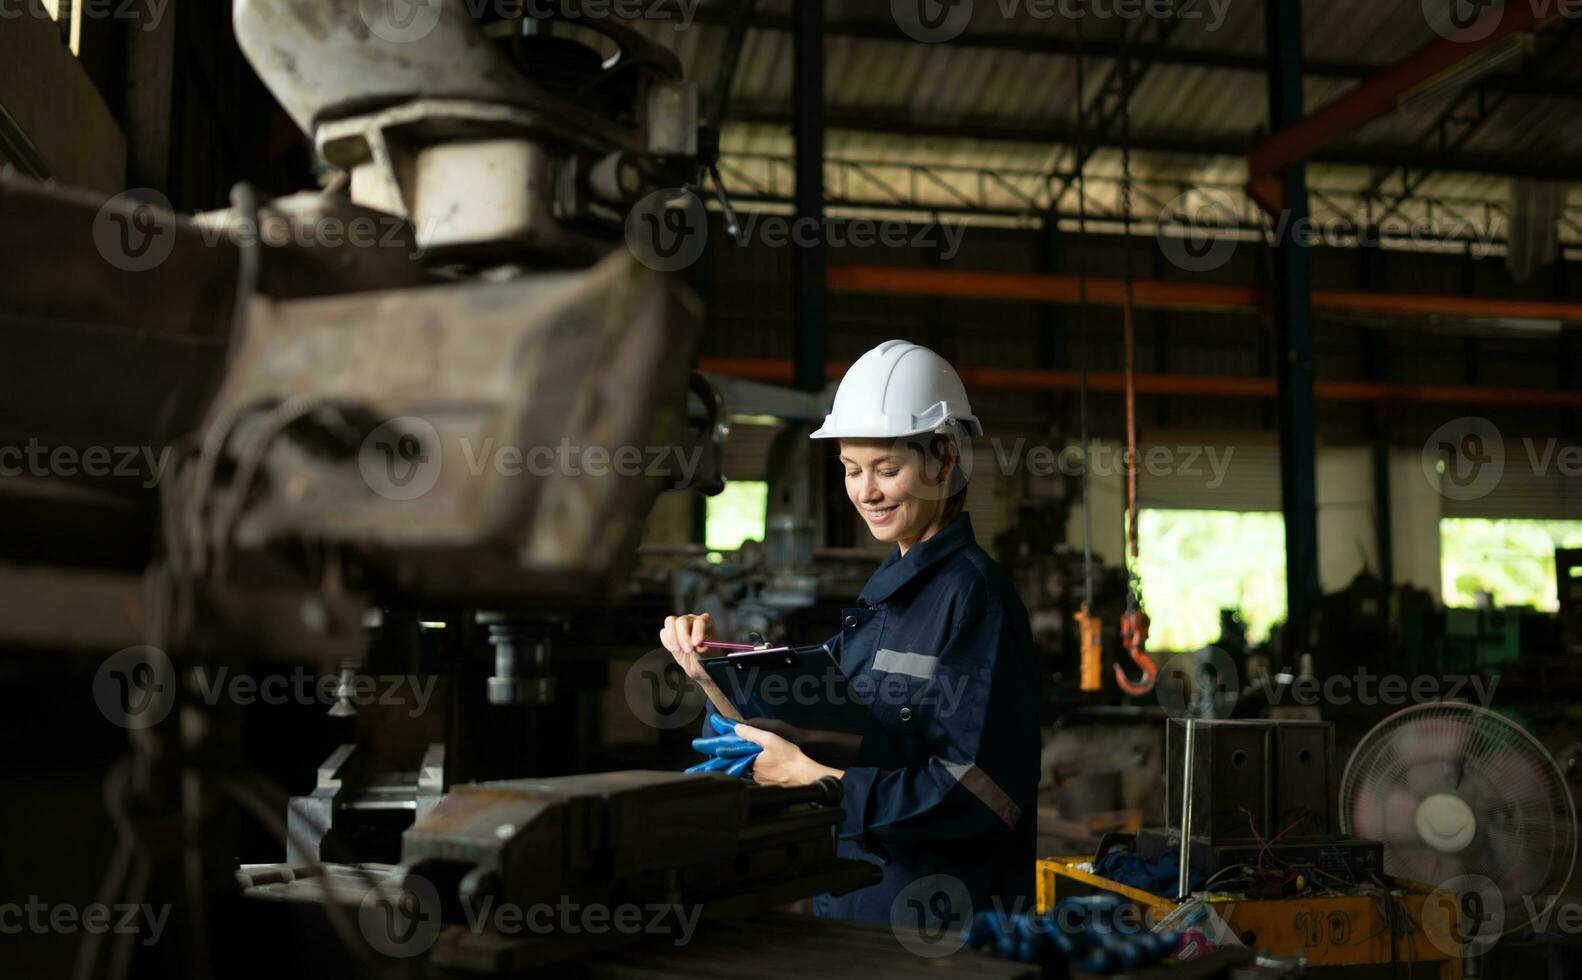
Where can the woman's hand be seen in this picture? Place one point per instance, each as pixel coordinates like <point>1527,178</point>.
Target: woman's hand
<point>683,636</point>
<point>781,763</point>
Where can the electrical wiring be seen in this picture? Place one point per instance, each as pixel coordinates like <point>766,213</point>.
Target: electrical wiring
<point>1209,884</point>
<point>1264,845</point>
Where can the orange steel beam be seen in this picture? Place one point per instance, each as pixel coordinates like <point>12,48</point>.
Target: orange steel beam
<point>1384,91</point>
<point>1185,296</point>
<point>1029,379</point>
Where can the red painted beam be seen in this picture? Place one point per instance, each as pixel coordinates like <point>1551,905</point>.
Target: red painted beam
<point>1037,288</point>
<point>1197,385</point>
<point>1384,91</point>
<point>1185,296</point>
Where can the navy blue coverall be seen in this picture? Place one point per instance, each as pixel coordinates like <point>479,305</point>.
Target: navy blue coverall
<point>942,640</point>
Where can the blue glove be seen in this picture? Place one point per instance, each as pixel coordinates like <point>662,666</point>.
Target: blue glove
<point>728,752</point>
<point>727,746</point>
<point>1080,932</point>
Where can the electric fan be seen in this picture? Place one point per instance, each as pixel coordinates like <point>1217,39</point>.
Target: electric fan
<point>1466,801</point>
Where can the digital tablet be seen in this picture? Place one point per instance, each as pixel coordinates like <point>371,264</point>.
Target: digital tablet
<point>800,694</point>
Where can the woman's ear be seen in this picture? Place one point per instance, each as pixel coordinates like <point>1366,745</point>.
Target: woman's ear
<point>945,454</point>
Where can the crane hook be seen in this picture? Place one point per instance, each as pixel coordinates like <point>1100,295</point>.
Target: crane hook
<point>1134,633</point>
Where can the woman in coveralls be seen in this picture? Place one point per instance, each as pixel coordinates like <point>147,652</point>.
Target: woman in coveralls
<point>953,800</point>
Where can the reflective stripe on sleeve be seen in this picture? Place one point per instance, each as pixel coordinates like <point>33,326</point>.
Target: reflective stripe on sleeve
<point>979,784</point>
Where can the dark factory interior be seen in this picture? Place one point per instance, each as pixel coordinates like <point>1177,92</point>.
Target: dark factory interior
<point>642,489</point>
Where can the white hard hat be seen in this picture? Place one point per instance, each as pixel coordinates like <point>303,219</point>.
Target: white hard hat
<point>899,389</point>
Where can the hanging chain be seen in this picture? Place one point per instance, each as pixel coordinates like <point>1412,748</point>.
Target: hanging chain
<point>1134,623</point>
<point>1125,69</point>
<point>1082,305</point>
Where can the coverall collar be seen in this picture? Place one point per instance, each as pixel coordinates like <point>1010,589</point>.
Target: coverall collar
<point>898,569</point>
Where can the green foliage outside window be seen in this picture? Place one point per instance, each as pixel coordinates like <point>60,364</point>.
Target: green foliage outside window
<point>1193,563</point>
<point>1512,559</point>
<point>736,514</point>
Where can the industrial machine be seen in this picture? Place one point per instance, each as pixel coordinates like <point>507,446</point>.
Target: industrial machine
<point>412,458</point>
<point>1258,796</point>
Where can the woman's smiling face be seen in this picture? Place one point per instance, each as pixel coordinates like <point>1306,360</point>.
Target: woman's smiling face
<point>897,495</point>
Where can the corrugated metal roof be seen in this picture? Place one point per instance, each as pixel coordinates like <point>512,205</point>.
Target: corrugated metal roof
<point>884,73</point>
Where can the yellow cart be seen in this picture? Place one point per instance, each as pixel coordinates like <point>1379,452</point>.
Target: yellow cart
<point>1329,930</point>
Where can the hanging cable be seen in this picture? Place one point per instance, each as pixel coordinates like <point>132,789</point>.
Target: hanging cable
<point>1090,627</point>
<point>1134,624</point>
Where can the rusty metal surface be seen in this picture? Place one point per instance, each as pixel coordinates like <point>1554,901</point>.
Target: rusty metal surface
<point>327,59</point>
<point>458,375</point>
<point>637,821</point>
<point>322,57</point>
<point>63,253</point>
<point>117,357</point>
<point>100,612</point>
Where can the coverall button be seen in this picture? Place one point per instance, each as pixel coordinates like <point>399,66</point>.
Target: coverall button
<point>906,714</point>
<point>851,622</point>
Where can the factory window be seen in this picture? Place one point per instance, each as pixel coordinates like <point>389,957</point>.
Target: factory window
<point>1193,563</point>
<point>1513,560</point>
<point>736,515</point>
